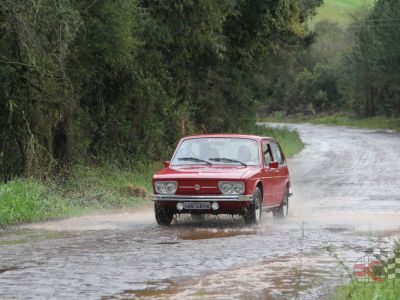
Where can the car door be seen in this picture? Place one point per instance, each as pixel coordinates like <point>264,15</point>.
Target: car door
<point>281,174</point>
<point>269,181</point>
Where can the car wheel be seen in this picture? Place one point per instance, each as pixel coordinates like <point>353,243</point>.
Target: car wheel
<point>254,210</point>
<point>163,215</point>
<point>283,209</point>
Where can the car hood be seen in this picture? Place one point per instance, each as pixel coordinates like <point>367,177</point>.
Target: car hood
<point>206,172</point>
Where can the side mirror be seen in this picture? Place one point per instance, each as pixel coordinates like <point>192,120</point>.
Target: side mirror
<point>166,163</point>
<point>274,165</point>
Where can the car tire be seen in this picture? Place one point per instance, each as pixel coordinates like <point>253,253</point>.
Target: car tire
<point>253,212</point>
<point>283,209</point>
<point>163,215</point>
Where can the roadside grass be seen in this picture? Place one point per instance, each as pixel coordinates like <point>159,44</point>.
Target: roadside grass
<point>388,290</point>
<point>378,122</point>
<point>356,290</point>
<point>27,200</point>
<point>340,11</point>
<point>289,139</point>
<point>107,186</point>
<point>86,189</point>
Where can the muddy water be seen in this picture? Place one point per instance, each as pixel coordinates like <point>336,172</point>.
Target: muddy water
<point>346,186</point>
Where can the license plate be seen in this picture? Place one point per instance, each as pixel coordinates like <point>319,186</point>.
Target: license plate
<point>196,205</point>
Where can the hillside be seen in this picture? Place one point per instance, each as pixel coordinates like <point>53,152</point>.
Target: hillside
<point>340,11</point>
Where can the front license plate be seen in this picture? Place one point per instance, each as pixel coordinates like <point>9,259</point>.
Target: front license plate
<point>196,205</point>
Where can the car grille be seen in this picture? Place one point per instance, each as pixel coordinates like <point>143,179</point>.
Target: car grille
<point>198,187</point>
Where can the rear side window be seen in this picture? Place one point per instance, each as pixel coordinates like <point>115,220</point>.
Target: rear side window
<point>267,153</point>
<point>276,151</point>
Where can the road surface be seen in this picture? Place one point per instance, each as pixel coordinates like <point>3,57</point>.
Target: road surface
<point>346,185</point>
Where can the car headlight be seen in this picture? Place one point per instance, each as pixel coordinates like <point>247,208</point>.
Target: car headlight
<point>166,187</point>
<point>231,187</point>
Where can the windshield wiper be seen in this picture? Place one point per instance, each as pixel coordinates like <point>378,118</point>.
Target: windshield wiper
<point>223,159</point>
<point>194,159</point>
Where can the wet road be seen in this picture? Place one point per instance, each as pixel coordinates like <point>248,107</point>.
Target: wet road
<point>346,185</point>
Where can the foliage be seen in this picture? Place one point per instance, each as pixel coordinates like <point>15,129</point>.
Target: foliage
<point>35,92</point>
<point>340,11</point>
<point>84,190</point>
<point>27,201</point>
<point>371,74</point>
<point>345,66</point>
<point>319,87</point>
<point>389,290</point>
<point>94,81</point>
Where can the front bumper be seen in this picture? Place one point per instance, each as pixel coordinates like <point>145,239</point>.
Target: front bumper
<point>202,198</point>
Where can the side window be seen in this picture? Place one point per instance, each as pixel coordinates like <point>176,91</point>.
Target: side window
<point>277,153</point>
<point>267,153</point>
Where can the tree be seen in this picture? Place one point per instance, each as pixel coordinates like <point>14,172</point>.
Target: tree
<point>371,71</point>
<point>35,92</point>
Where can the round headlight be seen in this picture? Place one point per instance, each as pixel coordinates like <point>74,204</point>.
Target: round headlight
<point>231,187</point>
<point>165,187</point>
<point>226,188</point>
<point>238,188</point>
<point>171,188</point>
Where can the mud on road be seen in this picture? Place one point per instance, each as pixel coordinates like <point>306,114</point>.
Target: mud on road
<point>346,186</point>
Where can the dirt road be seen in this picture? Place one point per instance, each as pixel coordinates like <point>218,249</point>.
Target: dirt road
<point>346,185</point>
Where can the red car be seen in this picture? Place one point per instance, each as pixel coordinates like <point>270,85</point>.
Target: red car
<point>223,174</point>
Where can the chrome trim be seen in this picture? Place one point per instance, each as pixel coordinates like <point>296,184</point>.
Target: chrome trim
<point>242,198</point>
<point>201,187</point>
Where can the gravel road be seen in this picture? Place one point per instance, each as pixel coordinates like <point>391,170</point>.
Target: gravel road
<point>346,185</point>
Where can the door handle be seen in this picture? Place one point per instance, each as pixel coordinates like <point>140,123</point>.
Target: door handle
<point>276,171</point>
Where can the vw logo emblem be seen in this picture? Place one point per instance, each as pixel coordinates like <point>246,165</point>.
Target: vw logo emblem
<point>197,187</point>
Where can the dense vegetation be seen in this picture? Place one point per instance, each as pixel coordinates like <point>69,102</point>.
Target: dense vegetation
<point>350,65</point>
<point>120,81</point>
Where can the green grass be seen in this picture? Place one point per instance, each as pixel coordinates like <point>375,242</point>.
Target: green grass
<point>356,290</point>
<point>340,11</point>
<point>27,201</point>
<point>85,189</point>
<point>289,139</point>
<point>378,122</point>
<point>389,290</point>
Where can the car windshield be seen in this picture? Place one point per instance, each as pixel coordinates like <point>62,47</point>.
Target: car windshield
<point>217,150</point>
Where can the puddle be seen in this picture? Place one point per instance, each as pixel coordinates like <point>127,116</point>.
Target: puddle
<point>337,229</point>
<point>24,236</point>
<point>203,234</point>
<point>162,289</point>
<point>168,243</point>
<point>283,277</point>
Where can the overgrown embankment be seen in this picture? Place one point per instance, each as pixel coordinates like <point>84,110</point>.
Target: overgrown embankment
<point>84,189</point>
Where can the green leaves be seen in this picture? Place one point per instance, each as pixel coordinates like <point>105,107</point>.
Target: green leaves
<point>372,62</point>
<point>123,80</point>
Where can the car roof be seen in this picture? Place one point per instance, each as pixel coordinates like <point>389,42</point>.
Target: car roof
<point>229,135</point>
